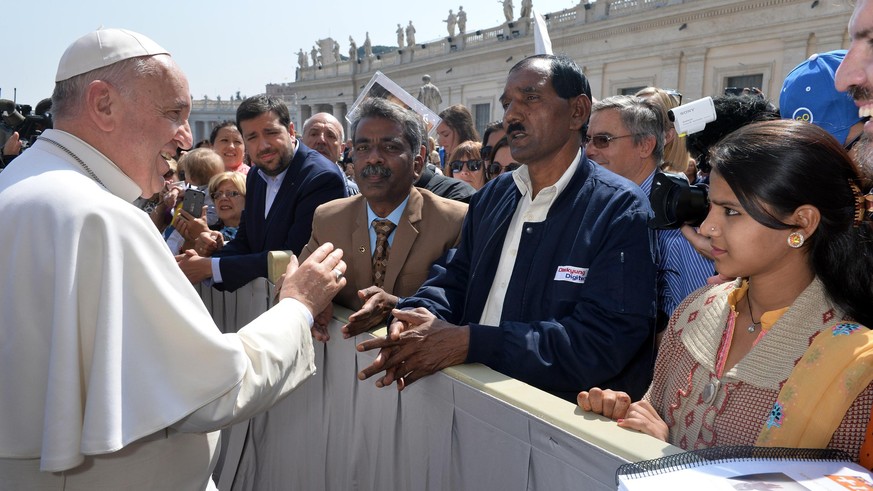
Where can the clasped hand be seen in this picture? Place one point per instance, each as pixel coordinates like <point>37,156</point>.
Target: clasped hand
<point>208,243</point>
<point>640,415</point>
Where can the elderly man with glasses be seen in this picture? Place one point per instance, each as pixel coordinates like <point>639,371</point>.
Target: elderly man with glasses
<point>626,136</point>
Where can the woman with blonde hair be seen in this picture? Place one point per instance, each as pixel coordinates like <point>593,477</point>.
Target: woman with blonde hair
<point>676,156</point>
<point>228,192</point>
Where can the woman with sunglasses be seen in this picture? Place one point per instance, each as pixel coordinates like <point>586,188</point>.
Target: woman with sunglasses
<point>500,159</point>
<point>456,127</point>
<point>778,357</point>
<point>466,164</point>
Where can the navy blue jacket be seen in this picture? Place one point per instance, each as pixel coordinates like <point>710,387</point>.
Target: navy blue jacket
<point>560,336</point>
<point>311,181</point>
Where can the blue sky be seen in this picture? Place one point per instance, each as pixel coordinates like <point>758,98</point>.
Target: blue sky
<point>222,46</point>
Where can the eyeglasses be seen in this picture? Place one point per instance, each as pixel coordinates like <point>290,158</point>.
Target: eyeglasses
<point>222,194</point>
<point>496,169</point>
<point>472,165</point>
<point>676,94</point>
<point>602,141</point>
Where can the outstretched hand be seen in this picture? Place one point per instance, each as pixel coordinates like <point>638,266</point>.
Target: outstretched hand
<point>377,305</point>
<point>315,282</point>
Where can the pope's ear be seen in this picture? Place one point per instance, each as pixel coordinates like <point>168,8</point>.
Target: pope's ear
<point>102,104</point>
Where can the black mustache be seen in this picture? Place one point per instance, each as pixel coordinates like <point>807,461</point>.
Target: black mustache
<point>514,127</point>
<point>376,170</point>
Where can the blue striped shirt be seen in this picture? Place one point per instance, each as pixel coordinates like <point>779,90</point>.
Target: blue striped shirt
<point>681,269</point>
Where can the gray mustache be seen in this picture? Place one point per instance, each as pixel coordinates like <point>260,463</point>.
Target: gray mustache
<point>376,170</point>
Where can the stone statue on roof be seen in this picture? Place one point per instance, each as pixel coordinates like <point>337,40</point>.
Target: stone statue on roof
<point>368,46</point>
<point>410,35</point>
<point>451,21</point>
<point>429,94</point>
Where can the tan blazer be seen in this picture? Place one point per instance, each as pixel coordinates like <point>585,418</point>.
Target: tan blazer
<point>429,226</point>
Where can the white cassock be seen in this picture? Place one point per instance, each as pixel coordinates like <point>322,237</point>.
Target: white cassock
<point>112,373</point>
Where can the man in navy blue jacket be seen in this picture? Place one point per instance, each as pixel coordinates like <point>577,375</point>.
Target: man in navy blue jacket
<point>284,187</point>
<point>553,282</point>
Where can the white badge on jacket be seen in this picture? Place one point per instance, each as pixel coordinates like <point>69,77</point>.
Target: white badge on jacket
<point>573,274</point>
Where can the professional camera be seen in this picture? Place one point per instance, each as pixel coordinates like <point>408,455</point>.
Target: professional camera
<point>676,203</point>
<point>21,118</point>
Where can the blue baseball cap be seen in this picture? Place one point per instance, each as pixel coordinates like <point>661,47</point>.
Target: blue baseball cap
<point>808,94</point>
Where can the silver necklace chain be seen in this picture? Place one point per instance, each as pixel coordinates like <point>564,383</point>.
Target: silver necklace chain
<point>75,157</point>
<point>751,317</point>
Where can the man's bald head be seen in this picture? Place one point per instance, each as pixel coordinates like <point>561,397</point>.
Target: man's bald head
<point>324,134</point>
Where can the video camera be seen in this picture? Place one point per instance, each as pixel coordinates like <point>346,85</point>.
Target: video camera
<point>22,118</point>
<point>674,201</point>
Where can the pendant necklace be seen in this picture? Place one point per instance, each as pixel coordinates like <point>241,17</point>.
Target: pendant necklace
<point>751,327</point>
<point>75,157</point>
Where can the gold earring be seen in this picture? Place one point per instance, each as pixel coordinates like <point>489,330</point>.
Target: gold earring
<point>795,240</point>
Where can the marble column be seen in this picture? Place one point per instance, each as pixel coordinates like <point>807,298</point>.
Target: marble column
<point>669,77</point>
<point>695,73</point>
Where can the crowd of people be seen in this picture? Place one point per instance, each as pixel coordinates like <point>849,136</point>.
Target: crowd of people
<point>530,250</point>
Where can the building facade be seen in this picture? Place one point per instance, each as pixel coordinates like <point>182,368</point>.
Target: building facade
<point>207,113</point>
<point>698,47</point>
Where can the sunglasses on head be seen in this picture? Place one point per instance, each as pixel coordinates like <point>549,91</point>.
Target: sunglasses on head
<point>602,141</point>
<point>472,165</point>
<point>496,169</point>
<point>676,94</point>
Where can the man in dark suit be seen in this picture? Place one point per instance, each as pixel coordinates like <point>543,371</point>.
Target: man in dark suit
<point>388,158</point>
<point>286,184</point>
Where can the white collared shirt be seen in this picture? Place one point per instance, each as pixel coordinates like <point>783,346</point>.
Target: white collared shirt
<point>274,183</point>
<point>528,211</point>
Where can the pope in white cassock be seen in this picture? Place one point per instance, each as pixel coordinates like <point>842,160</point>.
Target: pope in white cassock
<point>112,372</point>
